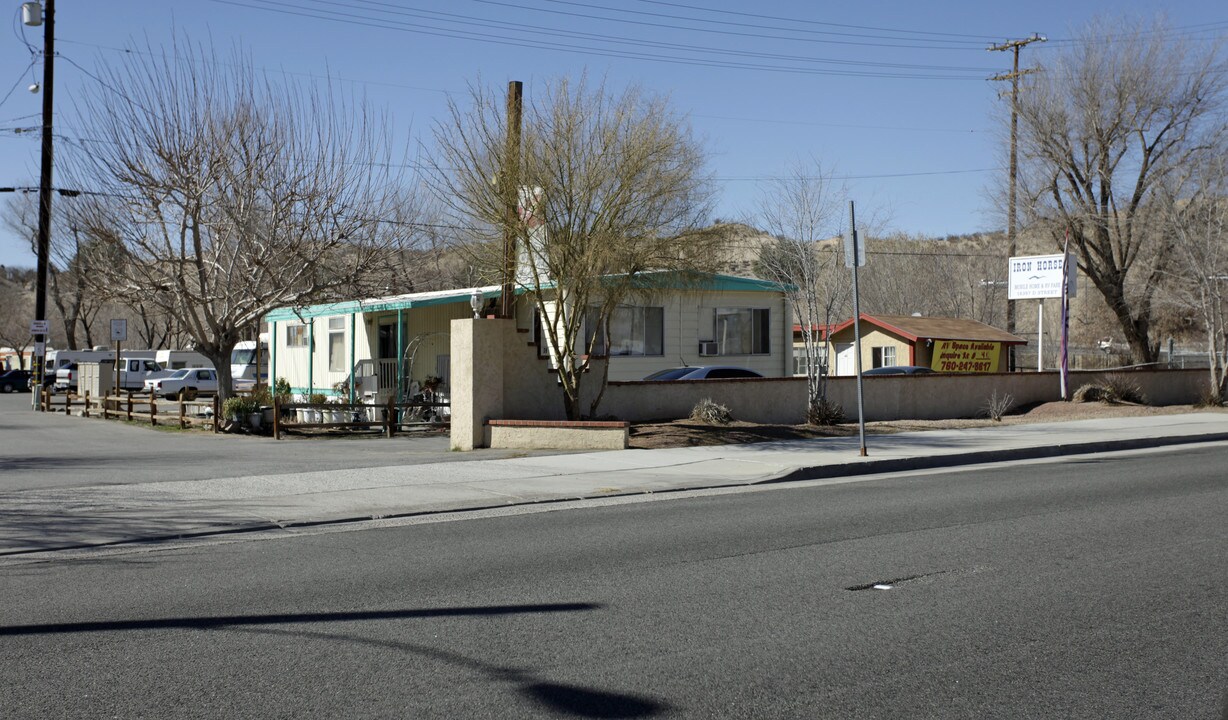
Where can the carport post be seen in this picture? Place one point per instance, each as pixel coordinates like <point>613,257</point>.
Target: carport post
<point>272,354</point>
<point>400,353</point>
<point>311,358</point>
<point>353,332</point>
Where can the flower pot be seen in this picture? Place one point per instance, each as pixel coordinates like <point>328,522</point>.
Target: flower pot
<point>254,420</point>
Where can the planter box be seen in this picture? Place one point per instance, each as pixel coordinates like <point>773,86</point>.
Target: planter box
<point>557,434</point>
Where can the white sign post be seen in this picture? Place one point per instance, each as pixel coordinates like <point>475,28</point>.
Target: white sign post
<point>1036,277</point>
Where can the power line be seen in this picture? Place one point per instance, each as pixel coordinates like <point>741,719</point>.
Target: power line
<point>768,178</point>
<point>536,44</point>
<point>802,20</point>
<point>673,26</point>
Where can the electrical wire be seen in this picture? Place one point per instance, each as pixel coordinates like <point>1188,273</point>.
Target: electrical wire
<point>968,45</point>
<point>20,78</point>
<point>536,44</point>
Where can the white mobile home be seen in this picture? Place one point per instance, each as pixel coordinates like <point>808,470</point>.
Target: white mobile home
<point>382,347</point>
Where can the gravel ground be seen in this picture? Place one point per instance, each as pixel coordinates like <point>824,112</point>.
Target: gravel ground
<point>683,433</point>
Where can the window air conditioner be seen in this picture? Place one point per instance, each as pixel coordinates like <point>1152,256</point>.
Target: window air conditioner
<point>709,348</point>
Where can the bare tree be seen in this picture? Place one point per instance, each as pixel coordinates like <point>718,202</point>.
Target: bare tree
<point>223,193</point>
<point>954,277</point>
<point>1199,267</point>
<point>801,210</point>
<point>1103,125</point>
<point>18,304</point>
<point>610,186</point>
<point>69,272</point>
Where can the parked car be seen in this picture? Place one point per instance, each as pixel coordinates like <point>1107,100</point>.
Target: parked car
<point>704,372</point>
<point>898,370</point>
<point>15,381</point>
<point>192,381</point>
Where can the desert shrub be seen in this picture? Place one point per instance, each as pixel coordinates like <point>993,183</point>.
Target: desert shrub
<point>1122,389</point>
<point>1088,393</point>
<point>825,412</point>
<point>1112,389</point>
<point>710,412</point>
<point>998,405</point>
<point>1210,399</point>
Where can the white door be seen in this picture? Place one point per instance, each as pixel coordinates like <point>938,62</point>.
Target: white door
<point>846,359</point>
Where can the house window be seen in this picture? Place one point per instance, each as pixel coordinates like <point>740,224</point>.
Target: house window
<point>882,356</point>
<point>742,331</point>
<point>800,364</point>
<point>296,336</point>
<point>633,331</point>
<point>336,344</point>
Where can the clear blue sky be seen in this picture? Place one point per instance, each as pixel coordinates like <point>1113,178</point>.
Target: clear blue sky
<point>892,95</point>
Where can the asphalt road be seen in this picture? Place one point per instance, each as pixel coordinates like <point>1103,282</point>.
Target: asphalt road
<point>1088,589</point>
<point>46,450</point>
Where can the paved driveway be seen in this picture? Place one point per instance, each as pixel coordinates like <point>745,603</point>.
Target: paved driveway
<point>44,450</point>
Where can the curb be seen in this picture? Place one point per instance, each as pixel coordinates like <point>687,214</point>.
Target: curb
<point>869,467</point>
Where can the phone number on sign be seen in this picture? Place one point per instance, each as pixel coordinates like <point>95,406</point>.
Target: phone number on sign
<point>965,366</point>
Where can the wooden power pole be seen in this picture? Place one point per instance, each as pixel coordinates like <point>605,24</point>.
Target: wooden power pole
<point>511,194</point>
<point>1011,230</point>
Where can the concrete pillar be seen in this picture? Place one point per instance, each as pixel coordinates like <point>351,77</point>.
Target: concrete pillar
<point>477,377</point>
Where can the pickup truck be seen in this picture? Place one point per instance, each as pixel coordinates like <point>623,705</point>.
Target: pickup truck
<point>132,374</point>
<point>191,382</point>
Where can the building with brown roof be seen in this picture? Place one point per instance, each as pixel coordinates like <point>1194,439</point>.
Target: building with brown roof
<point>950,345</point>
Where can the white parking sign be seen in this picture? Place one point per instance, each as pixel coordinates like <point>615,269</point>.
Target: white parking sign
<point>119,330</point>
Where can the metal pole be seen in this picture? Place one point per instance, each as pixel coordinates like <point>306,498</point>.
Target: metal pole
<point>44,188</point>
<point>1040,336</point>
<point>861,410</point>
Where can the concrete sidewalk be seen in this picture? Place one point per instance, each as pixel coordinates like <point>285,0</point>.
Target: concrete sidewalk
<point>62,518</point>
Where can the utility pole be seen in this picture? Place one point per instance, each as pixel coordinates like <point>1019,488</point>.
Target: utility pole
<point>44,180</point>
<point>511,194</point>
<point>1014,75</point>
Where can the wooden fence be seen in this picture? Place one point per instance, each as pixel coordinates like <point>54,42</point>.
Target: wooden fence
<point>136,406</point>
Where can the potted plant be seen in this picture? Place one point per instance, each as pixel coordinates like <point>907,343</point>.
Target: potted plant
<point>283,395</point>
<point>239,409</point>
<point>317,400</point>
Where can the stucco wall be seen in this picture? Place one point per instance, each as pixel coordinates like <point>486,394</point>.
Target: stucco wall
<point>890,397</point>
<point>518,385</point>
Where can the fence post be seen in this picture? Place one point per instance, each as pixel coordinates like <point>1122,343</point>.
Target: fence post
<point>87,404</point>
<point>217,410</point>
<point>276,418</point>
<point>67,402</point>
<point>388,416</point>
<point>153,409</point>
<point>183,422</point>
<point>129,418</point>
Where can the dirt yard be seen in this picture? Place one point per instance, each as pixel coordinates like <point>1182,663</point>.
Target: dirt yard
<point>685,433</point>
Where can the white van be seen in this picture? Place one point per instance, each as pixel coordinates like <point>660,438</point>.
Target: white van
<point>243,363</point>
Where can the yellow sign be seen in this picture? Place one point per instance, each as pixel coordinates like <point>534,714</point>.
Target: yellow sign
<point>965,356</point>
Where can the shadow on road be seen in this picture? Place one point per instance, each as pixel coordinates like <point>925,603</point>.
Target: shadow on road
<point>223,621</point>
<point>564,699</point>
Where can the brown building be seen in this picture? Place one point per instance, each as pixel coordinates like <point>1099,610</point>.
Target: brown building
<point>950,345</point>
